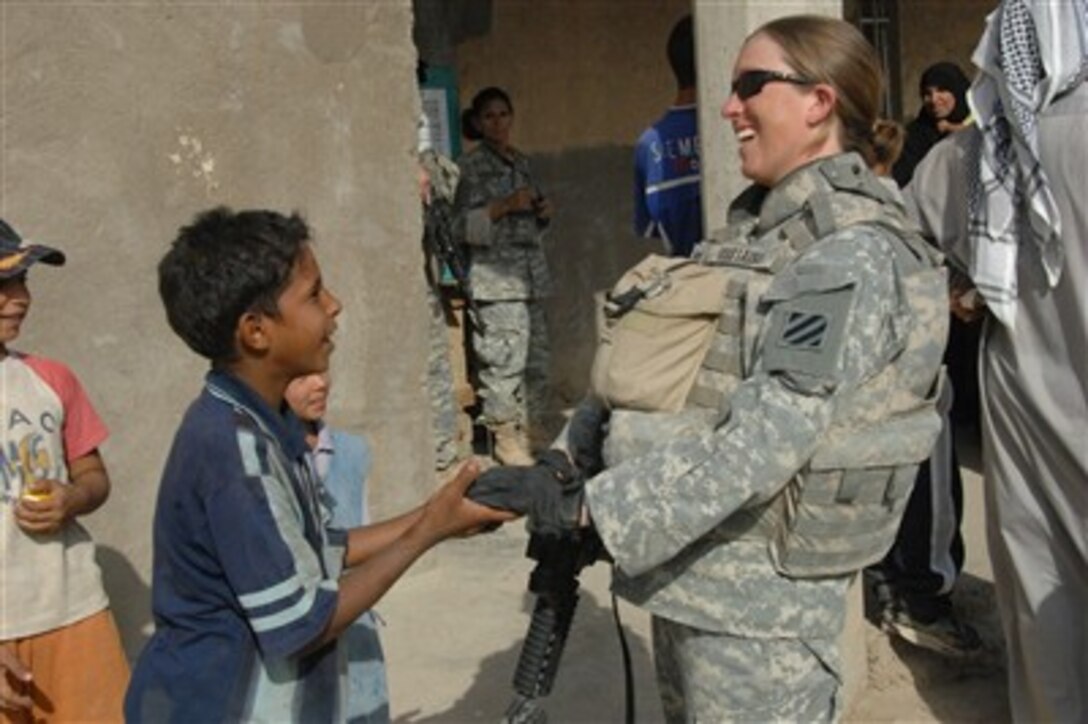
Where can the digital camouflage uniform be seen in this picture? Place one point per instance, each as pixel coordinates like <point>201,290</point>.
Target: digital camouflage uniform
<point>442,174</point>
<point>509,277</point>
<point>692,504</point>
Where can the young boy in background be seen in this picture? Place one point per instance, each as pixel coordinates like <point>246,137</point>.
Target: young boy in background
<point>341,464</point>
<point>55,623</point>
<point>250,589</point>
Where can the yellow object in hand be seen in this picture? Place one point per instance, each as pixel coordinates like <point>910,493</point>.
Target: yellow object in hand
<point>36,497</point>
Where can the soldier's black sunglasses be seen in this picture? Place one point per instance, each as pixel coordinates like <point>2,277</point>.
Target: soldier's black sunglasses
<point>750,82</point>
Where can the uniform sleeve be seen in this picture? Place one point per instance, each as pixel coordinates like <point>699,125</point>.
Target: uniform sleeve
<point>474,221</point>
<point>830,326</point>
<point>478,227</point>
<point>83,429</point>
<point>258,527</point>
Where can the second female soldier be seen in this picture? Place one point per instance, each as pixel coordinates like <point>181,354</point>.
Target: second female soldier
<point>504,216</point>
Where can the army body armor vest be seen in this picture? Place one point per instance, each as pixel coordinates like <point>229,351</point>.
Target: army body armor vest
<point>679,336</point>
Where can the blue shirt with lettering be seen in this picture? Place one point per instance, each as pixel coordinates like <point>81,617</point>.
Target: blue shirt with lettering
<point>668,203</point>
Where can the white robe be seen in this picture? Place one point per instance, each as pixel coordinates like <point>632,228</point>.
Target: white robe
<point>1034,384</point>
<point>1035,448</point>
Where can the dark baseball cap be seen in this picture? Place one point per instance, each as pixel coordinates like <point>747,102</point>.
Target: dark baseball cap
<point>16,256</point>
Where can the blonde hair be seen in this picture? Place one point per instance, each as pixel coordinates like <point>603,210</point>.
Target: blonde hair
<point>826,50</point>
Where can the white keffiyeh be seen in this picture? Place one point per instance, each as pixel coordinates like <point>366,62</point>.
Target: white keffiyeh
<point>1031,53</point>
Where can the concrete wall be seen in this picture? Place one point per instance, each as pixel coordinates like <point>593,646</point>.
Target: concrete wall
<point>120,121</point>
<point>935,30</point>
<point>581,74</point>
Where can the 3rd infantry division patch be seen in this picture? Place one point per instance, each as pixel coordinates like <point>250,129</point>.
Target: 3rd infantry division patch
<point>804,330</point>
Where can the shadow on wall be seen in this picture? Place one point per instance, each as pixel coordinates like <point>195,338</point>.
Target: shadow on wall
<point>130,599</point>
<point>589,686</point>
<point>590,244</point>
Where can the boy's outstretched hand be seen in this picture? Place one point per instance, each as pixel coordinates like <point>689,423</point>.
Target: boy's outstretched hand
<point>13,672</point>
<point>449,513</point>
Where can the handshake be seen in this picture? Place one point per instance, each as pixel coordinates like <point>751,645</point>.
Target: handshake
<point>551,492</point>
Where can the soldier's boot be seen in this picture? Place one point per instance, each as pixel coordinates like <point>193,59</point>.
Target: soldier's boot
<point>510,445</point>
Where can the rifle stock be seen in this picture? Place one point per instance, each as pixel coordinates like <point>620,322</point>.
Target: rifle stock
<point>441,244</point>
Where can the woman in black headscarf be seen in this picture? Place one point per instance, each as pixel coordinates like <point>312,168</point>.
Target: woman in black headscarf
<point>943,89</point>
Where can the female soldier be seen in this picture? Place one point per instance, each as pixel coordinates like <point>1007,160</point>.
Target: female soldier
<point>739,520</point>
<point>504,215</point>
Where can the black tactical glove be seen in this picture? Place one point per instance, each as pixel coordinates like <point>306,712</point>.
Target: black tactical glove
<point>550,492</point>
<point>585,435</point>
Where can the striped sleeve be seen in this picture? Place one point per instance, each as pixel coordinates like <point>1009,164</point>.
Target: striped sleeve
<point>258,525</point>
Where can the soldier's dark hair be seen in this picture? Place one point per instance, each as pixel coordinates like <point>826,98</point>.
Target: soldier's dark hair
<point>831,51</point>
<point>469,117</point>
<point>681,52</point>
<point>223,265</point>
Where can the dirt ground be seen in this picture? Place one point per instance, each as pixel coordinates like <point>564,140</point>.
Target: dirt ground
<point>454,633</point>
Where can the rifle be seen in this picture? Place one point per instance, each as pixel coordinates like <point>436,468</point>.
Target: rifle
<point>554,580</point>
<point>438,237</point>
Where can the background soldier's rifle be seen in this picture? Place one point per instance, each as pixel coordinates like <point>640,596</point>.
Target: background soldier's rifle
<point>439,218</point>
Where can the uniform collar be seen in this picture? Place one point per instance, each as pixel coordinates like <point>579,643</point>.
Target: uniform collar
<point>789,196</point>
<point>494,153</point>
<point>284,426</point>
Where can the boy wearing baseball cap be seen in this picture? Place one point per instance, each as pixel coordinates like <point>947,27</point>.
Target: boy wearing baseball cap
<point>55,624</point>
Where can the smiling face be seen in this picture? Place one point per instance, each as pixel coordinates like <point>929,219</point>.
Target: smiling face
<point>938,102</point>
<point>495,120</point>
<point>300,336</point>
<point>784,125</point>
<point>14,306</point>
<point>308,396</point>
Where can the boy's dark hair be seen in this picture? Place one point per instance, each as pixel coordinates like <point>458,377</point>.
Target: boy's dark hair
<point>681,52</point>
<point>223,265</point>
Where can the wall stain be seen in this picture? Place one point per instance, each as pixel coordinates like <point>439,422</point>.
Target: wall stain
<point>335,34</point>
<point>193,159</point>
